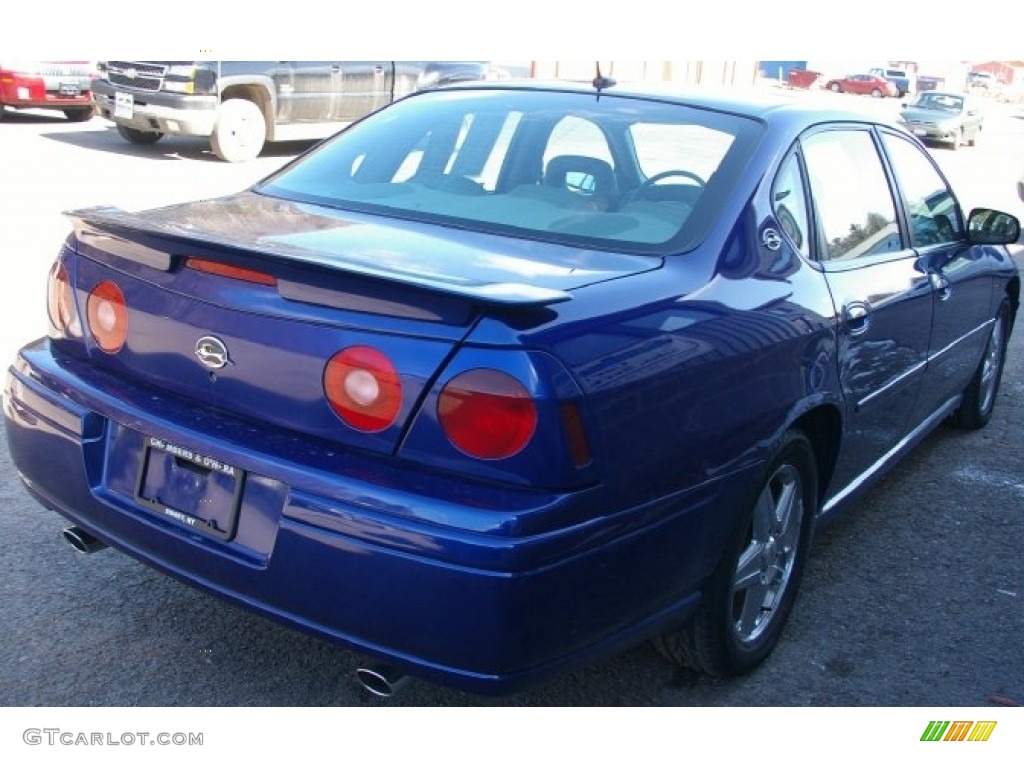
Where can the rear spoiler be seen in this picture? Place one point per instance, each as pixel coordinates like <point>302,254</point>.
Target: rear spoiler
<point>115,229</point>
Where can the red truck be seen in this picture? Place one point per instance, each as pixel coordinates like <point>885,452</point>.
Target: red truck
<point>63,85</point>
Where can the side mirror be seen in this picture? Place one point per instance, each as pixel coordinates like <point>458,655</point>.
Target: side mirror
<point>988,227</point>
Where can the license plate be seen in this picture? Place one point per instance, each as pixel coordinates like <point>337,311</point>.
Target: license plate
<point>70,89</point>
<point>920,132</point>
<point>124,105</point>
<point>198,491</point>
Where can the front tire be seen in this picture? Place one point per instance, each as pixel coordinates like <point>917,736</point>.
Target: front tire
<point>240,131</point>
<point>876,93</point>
<point>135,136</point>
<point>836,88</point>
<point>750,595</point>
<point>78,114</point>
<point>979,398</point>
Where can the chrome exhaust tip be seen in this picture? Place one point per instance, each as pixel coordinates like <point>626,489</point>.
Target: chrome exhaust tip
<point>82,540</point>
<point>384,681</point>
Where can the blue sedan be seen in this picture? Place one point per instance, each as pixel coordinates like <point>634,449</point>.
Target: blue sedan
<point>508,376</point>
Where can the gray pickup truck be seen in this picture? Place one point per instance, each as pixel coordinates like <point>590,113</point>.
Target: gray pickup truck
<point>241,105</point>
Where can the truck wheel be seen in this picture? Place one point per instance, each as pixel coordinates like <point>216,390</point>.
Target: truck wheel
<point>78,114</point>
<point>240,131</point>
<point>135,136</point>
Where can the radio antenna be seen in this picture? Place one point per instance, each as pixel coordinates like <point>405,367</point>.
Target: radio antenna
<point>601,82</point>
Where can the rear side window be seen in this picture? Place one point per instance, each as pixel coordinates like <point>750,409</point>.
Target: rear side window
<point>852,194</point>
<point>934,215</point>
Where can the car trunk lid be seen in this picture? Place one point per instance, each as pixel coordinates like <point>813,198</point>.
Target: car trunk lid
<point>239,304</point>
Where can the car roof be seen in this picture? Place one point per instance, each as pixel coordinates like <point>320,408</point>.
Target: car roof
<point>780,106</point>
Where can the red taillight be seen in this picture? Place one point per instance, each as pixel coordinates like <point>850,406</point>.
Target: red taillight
<point>60,301</point>
<point>227,270</point>
<point>108,318</point>
<point>487,414</point>
<point>363,388</point>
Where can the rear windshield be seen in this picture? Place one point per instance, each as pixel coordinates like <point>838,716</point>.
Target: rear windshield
<point>616,173</point>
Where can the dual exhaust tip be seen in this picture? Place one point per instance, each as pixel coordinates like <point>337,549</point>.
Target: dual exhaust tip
<point>380,680</point>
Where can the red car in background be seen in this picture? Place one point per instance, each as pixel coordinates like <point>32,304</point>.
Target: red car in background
<point>868,85</point>
<point>63,85</point>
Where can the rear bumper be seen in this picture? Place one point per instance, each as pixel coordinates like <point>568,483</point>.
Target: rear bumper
<point>465,584</point>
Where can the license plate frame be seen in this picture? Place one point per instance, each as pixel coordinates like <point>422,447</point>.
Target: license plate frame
<point>166,464</point>
<point>70,89</point>
<point>920,131</point>
<point>124,105</point>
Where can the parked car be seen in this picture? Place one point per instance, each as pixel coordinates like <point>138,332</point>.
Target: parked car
<point>505,377</point>
<point>867,85</point>
<point>945,117</point>
<point>241,105</point>
<point>985,82</point>
<point>60,85</point>
<point>901,78</point>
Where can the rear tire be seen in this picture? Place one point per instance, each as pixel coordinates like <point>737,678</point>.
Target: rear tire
<point>240,131</point>
<point>751,593</point>
<point>836,88</point>
<point>876,93</point>
<point>980,396</point>
<point>135,136</point>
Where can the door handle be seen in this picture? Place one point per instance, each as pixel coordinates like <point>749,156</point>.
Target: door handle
<point>940,284</point>
<point>857,317</point>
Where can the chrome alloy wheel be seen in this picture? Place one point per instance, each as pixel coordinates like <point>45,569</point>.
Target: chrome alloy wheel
<point>990,365</point>
<point>765,565</point>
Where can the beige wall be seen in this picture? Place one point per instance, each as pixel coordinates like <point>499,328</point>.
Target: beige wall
<point>689,72</point>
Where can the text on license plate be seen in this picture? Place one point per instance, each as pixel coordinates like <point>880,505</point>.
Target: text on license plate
<point>197,490</point>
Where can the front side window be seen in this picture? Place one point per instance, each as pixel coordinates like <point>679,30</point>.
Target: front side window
<point>852,195</point>
<point>616,173</point>
<point>934,215</point>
